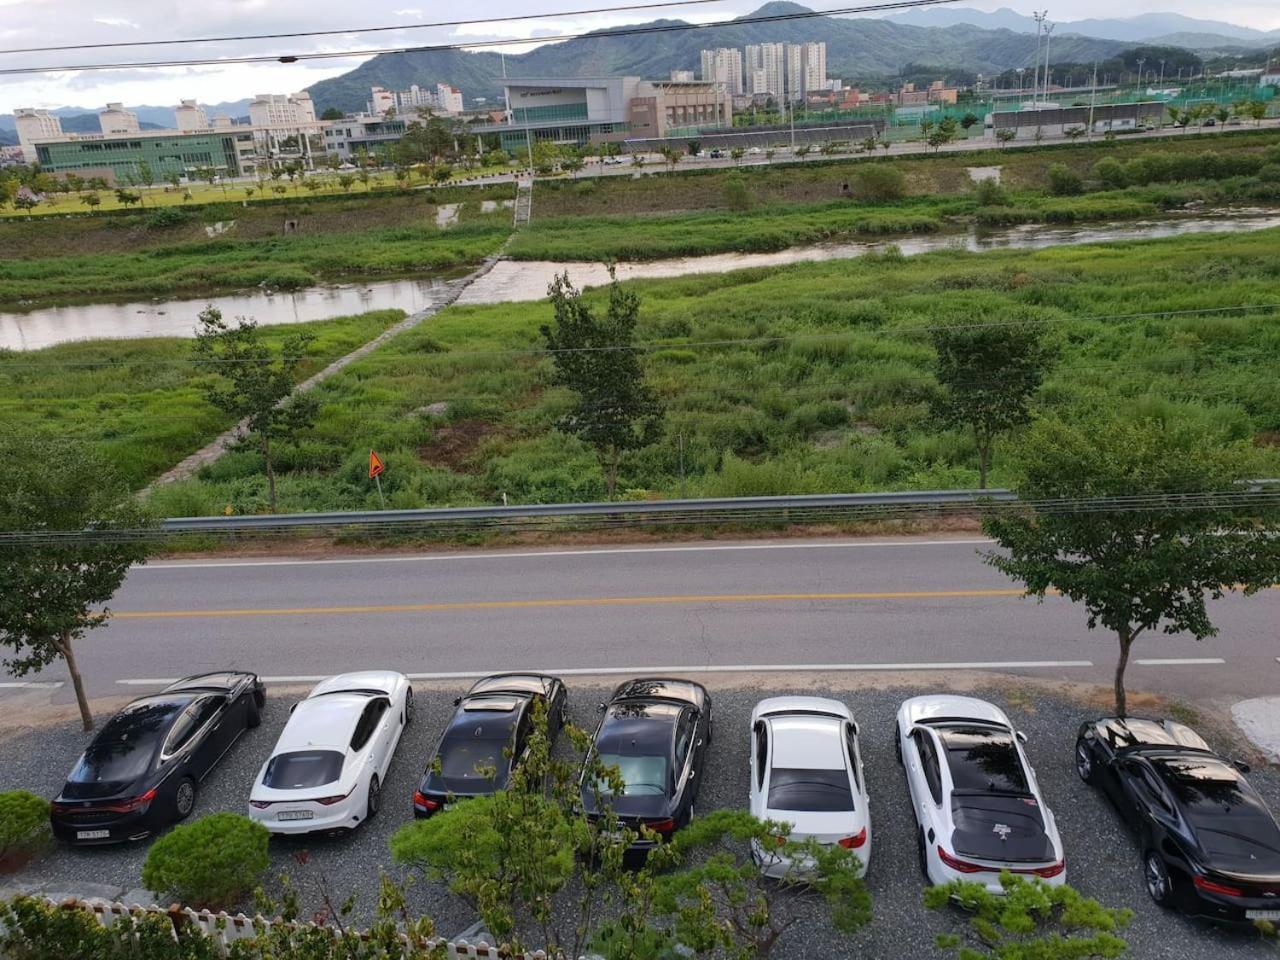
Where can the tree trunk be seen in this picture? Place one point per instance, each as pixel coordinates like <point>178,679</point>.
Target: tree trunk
<point>1126,641</point>
<point>984,461</point>
<point>611,472</point>
<point>64,647</point>
<point>271,473</point>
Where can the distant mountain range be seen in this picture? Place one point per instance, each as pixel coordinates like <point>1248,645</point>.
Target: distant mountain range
<point>1156,28</point>
<point>856,49</point>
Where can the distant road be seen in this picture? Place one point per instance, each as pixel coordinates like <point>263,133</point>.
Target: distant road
<point>837,604</point>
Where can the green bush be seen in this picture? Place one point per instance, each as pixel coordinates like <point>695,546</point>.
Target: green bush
<point>879,181</point>
<point>736,194</point>
<point>1111,172</point>
<point>165,217</point>
<point>24,826</point>
<point>214,862</point>
<point>1063,181</point>
<point>989,193</point>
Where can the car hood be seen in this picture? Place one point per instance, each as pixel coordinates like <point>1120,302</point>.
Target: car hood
<point>1000,828</point>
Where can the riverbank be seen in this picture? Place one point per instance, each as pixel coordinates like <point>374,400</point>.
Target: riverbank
<point>807,378</point>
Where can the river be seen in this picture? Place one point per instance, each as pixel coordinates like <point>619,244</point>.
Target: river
<point>512,280</point>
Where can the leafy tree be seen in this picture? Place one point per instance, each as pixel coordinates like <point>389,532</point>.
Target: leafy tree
<point>969,119</point>
<point>768,155</point>
<point>737,153</point>
<point>1075,133</point>
<point>637,160</point>
<point>55,592</point>
<point>1138,570</point>
<point>1005,134</point>
<point>332,113</point>
<point>1256,110</point>
<point>26,201</point>
<point>249,192</point>
<point>1222,114</point>
<point>803,150</point>
<point>145,176</point>
<point>174,179</point>
<point>212,862</point>
<point>694,147</point>
<point>127,198</point>
<point>346,181</point>
<point>720,902</point>
<point>869,145</point>
<point>1063,181</point>
<point>572,163</point>
<point>1031,921</point>
<point>254,385</point>
<point>91,200</point>
<point>615,410</point>
<point>987,376</point>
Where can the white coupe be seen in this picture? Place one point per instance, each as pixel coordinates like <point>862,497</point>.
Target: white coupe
<point>806,770</point>
<point>975,795</point>
<point>327,769</point>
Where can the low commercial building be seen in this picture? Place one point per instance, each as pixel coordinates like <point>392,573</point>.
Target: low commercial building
<point>349,138</point>
<point>664,108</point>
<point>117,157</point>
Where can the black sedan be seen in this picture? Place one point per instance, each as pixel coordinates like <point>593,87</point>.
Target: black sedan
<point>1209,844</point>
<point>487,736</point>
<point>141,771</point>
<point>656,732</point>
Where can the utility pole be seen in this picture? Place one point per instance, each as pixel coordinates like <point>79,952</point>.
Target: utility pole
<point>1035,83</point>
<point>1093,99</point>
<point>1048,33</point>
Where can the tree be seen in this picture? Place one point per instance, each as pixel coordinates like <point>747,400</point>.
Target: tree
<point>803,150</point>
<point>572,163</point>
<point>1138,570</point>
<point>1256,110</point>
<point>987,376</point>
<point>255,385</point>
<point>174,179</point>
<point>346,181</point>
<point>91,200</point>
<point>637,159</point>
<point>1063,181</point>
<point>145,176</point>
<point>1031,920</point>
<point>969,119</point>
<point>249,192</point>
<point>694,147</point>
<point>332,113</point>
<point>1004,135</point>
<point>55,592</point>
<point>615,410</point>
<point>127,198</point>
<point>869,145</point>
<point>719,901</point>
<point>737,153</point>
<point>26,201</point>
<point>1074,133</point>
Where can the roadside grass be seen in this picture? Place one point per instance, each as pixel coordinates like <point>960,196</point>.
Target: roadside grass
<point>141,401</point>
<point>230,263</point>
<point>804,379</point>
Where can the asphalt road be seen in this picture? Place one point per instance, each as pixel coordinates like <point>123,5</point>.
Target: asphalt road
<point>1102,860</point>
<point>847,605</point>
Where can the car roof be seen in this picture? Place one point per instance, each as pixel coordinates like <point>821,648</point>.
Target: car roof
<point>380,681</point>
<point>640,724</point>
<point>493,719</point>
<point>220,680</point>
<point>175,701</point>
<point>513,683</point>
<point>325,722</point>
<point>808,742</point>
<point>660,688</point>
<point>1138,733</point>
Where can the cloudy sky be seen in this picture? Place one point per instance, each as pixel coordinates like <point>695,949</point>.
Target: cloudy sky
<point>36,23</point>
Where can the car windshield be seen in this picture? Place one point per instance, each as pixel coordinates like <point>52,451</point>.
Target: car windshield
<point>303,769</point>
<point>642,776</point>
<point>984,761</point>
<point>814,790</point>
<point>124,749</point>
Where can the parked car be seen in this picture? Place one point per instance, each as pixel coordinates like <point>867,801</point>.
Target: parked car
<point>717,154</point>
<point>612,161</point>
<point>326,771</point>
<point>656,732</point>
<point>487,737</point>
<point>143,769</point>
<point>977,804</point>
<point>1209,844</point>
<point>806,771</point>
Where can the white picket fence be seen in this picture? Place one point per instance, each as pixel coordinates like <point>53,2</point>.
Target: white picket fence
<point>224,928</point>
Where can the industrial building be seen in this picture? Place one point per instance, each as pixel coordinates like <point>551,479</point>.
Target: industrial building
<point>350,137</point>
<point>116,157</point>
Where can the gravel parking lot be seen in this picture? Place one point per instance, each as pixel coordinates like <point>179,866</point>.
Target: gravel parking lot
<point>1101,858</point>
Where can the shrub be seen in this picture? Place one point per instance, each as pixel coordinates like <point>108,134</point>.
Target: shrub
<point>1111,173</point>
<point>213,862</point>
<point>989,193</point>
<point>1063,181</point>
<point>879,181</point>
<point>24,827</point>
<point>165,217</point>
<point>736,194</point>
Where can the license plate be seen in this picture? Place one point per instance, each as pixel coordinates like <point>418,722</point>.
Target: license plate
<point>294,815</point>
<point>1262,914</point>
<point>447,806</point>
<point>92,834</point>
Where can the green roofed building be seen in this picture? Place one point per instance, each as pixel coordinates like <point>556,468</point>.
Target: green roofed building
<point>114,157</point>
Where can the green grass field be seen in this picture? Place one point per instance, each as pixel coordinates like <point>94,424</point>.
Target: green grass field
<point>141,400</point>
<point>802,379</point>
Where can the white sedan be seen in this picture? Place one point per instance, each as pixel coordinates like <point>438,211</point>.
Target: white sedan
<point>976,799</point>
<point>327,769</point>
<point>806,770</point>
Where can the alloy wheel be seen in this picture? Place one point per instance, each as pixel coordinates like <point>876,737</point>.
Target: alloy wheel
<point>1157,878</point>
<point>375,798</point>
<point>185,798</point>
<point>408,706</point>
<point>1084,762</point>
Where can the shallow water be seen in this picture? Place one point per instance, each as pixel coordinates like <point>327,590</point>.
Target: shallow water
<point>512,280</point>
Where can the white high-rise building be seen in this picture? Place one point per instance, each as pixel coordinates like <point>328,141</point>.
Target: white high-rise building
<point>34,125</point>
<point>806,69</point>
<point>381,100</point>
<point>189,115</point>
<point>795,72</point>
<point>765,67</point>
<point>281,110</point>
<point>449,98</point>
<point>723,65</point>
<point>408,101</point>
<point>116,119</point>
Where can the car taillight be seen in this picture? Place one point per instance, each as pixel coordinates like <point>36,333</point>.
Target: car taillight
<point>330,801</point>
<point>1209,886</point>
<point>857,840</point>
<point>421,800</point>
<point>662,826</point>
<point>260,804</point>
<point>136,803</point>
<point>961,866</point>
<point>780,841</point>
<point>1050,871</point>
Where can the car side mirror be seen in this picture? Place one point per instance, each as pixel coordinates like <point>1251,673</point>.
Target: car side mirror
<point>853,725</point>
<point>457,701</point>
<point>1240,765</point>
<point>1022,737</point>
<point>602,706</point>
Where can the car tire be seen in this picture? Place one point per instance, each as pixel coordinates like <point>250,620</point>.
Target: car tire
<point>897,743</point>
<point>924,859</point>
<point>408,706</point>
<point>373,802</point>
<point>184,799</point>
<point>1156,878</point>
<point>1084,761</point>
<point>253,713</point>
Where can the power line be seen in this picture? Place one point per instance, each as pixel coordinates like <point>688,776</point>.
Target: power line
<point>480,44</point>
<point>351,30</point>
<point>653,345</point>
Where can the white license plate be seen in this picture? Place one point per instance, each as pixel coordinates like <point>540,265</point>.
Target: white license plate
<point>446,806</point>
<point>1262,914</point>
<point>294,815</point>
<point>92,834</point>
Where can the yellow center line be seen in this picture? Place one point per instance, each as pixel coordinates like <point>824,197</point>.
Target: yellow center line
<point>562,602</point>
